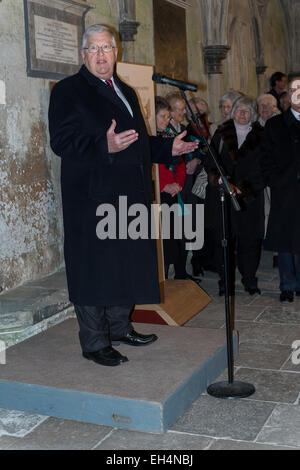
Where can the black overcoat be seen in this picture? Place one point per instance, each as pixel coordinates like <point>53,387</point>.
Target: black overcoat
<point>241,166</point>
<point>280,163</point>
<point>120,271</point>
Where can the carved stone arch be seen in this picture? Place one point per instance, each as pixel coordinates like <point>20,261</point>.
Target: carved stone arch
<point>258,12</point>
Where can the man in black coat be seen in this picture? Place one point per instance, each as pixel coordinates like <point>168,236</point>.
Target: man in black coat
<point>96,127</point>
<point>280,163</point>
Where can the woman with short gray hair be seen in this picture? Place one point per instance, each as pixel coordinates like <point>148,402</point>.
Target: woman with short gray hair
<point>248,102</point>
<point>231,96</point>
<point>226,103</point>
<point>267,108</point>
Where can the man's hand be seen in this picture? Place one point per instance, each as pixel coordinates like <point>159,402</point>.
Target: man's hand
<point>118,142</point>
<point>180,147</point>
<point>234,189</point>
<point>172,188</point>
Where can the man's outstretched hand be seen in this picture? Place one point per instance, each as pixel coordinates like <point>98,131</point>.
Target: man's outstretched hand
<point>180,146</point>
<point>118,142</point>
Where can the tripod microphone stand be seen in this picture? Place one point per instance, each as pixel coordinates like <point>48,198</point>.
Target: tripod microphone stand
<point>231,388</point>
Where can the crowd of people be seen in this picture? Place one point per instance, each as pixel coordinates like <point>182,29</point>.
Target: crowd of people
<point>256,143</point>
<point>97,128</point>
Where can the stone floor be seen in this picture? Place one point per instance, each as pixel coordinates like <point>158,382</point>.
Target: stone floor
<point>267,420</point>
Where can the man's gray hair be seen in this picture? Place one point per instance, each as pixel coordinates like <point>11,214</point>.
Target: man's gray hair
<point>97,28</point>
<point>244,101</point>
<point>231,96</point>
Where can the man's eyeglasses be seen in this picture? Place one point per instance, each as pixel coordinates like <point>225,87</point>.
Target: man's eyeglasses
<point>94,48</point>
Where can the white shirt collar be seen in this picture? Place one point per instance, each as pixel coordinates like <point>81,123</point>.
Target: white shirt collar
<point>296,114</point>
<point>120,95</point>
<point>111,78</point>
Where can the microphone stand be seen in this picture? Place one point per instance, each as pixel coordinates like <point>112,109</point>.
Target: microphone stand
<point>231,388</point>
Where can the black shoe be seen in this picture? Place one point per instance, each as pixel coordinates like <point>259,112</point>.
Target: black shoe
<point>287,295</point>
<point>252,290</point>
<point>135,339</point>
<point>106,357</point>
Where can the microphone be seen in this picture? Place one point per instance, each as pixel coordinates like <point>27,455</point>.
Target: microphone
<point>159,78</point>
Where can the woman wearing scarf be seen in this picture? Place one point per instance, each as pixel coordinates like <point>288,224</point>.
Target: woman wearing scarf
<point>172,180</point>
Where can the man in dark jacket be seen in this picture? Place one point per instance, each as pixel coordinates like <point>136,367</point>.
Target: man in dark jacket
<point>280,163</point>
<point>278,83</point>
<point>96,127</point>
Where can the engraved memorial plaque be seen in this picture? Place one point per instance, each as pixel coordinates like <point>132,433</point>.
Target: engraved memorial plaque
<point>56,41</point>
<point>53,36</point>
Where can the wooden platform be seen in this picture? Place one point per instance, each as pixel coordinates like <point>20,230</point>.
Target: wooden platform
<point>47,374</point>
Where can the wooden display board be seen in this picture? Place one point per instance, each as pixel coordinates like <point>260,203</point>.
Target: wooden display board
<point>139,77</point>
<point>181,299</point>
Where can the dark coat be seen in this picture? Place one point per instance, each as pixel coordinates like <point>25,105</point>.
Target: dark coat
<point>280,163</point>
<point>241,166</point>
<point>277,96</point>
<point>110,271</point>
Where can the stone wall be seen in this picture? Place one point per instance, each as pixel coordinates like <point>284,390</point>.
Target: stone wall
<point>30,208</point>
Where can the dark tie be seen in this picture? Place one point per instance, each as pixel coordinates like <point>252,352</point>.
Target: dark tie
<point>110,84</point>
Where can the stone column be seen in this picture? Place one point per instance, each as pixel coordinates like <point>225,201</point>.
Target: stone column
<point>127,28</point>
<point>261,79</point>
<point>258,11</point>
<point>291,14</point>
<point>213,58</point>
<point>214,15</point>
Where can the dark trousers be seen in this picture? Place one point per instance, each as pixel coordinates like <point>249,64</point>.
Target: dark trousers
<point>248,254</point>
<point>289,271</point>
<point>178,257</point>
<point>98,326</point>
<point>248,258</point>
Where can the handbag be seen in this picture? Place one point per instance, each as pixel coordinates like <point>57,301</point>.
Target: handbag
<point>199,187</point>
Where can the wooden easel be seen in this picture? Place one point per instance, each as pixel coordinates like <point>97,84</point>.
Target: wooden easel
<point>181,299</point>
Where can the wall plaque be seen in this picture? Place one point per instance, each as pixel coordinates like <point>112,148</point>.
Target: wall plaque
<point>53,36</point>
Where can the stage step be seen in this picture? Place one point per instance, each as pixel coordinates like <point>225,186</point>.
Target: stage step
<point>46,374</point>
<point>33,307</point>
